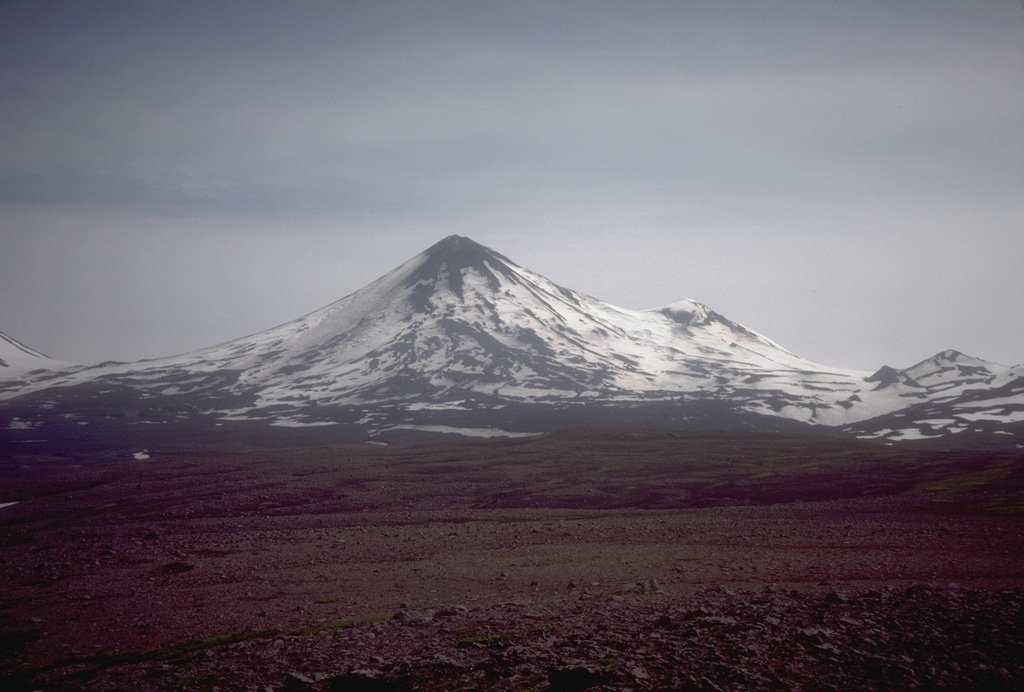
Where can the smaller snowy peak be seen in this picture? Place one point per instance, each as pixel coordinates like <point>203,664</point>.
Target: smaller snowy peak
<point>686,312</point>
<point>946,377</point>
<point>16,358</point>
<point>952,364</point>
<point>942,368</point>
<point>690,315</point>
<point>946,357</point>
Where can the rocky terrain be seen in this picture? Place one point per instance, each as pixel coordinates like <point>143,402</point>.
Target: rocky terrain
<point>921,637</point>
<point>584,560</point>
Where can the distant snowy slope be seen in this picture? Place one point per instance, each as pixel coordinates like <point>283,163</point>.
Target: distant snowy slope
<point>947,394</point>
<point>16,358</point>
<point>461,337</point>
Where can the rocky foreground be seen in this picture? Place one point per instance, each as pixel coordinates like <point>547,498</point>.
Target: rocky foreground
<point>918,638</point>
<point>655,563</point>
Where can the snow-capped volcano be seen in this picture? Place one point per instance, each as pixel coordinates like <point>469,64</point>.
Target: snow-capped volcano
<point>461,337</point>
<point>460,319</point>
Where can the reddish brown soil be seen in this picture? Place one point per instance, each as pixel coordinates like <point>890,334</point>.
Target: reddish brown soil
<point>104,559</point>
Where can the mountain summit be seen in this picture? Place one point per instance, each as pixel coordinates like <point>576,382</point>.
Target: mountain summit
<point>462,339</point>
<point>448,260</point>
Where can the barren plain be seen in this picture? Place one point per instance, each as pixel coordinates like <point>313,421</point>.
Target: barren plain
<point>588,559</point>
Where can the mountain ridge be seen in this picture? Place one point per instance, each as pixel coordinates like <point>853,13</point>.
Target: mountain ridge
<point>461,338</point>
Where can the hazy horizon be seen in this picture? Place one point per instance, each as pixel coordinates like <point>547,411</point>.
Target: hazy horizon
<point>844,179</point>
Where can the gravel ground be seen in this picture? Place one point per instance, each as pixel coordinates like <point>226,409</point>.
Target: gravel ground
<point>294,573</point>
<point>919,638</point>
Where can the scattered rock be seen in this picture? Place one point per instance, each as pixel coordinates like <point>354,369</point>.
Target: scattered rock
<point>363,681</point>
<point>297,682</point>
<point>924,638</point>
<point>409,616</point>
<point>666,622</point>
<point>575,679</point>
<point>451,611</point>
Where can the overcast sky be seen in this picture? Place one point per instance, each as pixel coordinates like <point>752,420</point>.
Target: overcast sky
<point>845,178</point>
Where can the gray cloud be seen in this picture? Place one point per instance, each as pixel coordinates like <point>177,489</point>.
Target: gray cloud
<point>842,178</point>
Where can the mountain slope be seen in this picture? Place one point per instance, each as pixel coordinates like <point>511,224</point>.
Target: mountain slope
<point>16,359</point>
<point>460,338</point>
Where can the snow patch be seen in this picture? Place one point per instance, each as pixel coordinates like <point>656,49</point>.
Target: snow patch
<point>448,406</point>
<point>1007,417</point>
<point>466,432</point>
<point>938,422</point>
